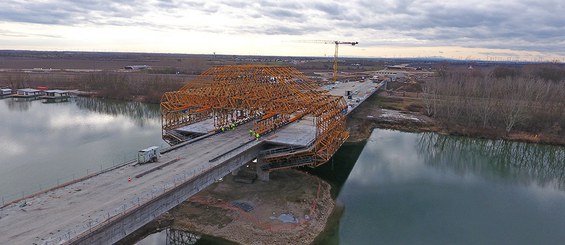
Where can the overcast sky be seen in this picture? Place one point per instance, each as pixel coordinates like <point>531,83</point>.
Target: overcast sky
<point>485,29</point>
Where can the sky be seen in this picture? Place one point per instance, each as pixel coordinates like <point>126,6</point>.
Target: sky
<point>531,30</point>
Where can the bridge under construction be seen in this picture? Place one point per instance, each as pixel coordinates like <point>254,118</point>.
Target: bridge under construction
<point>271,97</point>
<point>208,122</point>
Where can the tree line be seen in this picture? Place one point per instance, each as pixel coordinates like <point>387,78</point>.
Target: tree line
<point>124,86</point>
<point>530,99</point>
<point>116,85</point>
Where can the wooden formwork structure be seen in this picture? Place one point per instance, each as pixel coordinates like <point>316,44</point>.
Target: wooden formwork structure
<point>272,96</point>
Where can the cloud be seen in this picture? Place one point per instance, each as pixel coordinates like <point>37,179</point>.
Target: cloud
<point>522,25</point>
<point>519,25</point>
<point>10,33</point>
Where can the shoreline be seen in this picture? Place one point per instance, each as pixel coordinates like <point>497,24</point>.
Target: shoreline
<point>370,116</point>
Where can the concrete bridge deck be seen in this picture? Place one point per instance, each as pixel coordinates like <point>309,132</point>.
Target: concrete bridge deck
<point>62,214</point>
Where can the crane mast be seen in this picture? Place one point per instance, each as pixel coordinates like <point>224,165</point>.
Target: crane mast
<point>337,43</point>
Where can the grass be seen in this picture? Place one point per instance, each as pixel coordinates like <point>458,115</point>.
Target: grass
<point>397,103</point>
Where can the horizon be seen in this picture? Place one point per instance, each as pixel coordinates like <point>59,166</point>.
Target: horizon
<point>430,58</point>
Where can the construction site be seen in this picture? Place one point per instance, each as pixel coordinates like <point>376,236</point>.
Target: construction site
<point>225,119</point>
<point>301,123</point>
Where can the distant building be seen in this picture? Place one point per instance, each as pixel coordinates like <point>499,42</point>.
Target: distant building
<point>137,67</point>
<point>392,74</point>
<point>28,92</point>
<point>5,91</point>
<point>56,94</point>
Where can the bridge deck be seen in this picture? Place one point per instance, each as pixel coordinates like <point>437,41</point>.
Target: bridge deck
<point>200,127</point>
<point>69,211</point>
<point>301,133</point>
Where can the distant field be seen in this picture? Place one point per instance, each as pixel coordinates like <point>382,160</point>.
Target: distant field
<point>100,61</point>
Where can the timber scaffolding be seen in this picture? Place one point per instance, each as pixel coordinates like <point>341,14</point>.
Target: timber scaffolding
<point>271,97</point>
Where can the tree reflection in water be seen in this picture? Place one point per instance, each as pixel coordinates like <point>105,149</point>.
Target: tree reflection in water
<point>139,112</point>
<point>19,104</point>
<point>498,159</point>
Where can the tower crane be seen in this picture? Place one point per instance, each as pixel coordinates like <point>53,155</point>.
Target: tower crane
<point>337,43</point>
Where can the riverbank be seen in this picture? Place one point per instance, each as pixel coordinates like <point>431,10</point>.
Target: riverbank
<point>404,113</point>
<point>255,213</point>
<point>390,114</point>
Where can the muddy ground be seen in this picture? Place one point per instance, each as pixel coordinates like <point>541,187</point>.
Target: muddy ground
<point>248,213</point>
<point>384,111</point>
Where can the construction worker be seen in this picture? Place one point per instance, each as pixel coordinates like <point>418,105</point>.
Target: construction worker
<point>251,132</point>
<point>222,129</point>
<point>257,136</point>
<point>233,126</point>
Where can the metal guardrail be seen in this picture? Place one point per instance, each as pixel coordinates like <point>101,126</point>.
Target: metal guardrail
<point>106,217</point>
<point>185,177</point>
<point>138,202</point>
<point>60,183</point>
<point>19,196</point>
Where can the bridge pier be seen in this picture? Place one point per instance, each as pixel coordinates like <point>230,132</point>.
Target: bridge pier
<point>236,171</point>
<point>262,175</point>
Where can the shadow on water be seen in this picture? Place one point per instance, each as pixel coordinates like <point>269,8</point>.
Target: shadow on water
<point>521,163</point>
<point>336,172</point>
<point>337,169</point>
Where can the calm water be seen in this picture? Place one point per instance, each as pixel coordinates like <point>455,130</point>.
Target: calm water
<point>43,144</point>
<point>408,188</point>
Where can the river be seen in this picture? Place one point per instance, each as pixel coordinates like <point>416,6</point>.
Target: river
<point>425,188</point>
<point>397,188</point>
<point>43,144</point>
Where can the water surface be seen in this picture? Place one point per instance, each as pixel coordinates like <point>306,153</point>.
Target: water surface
<point>408,188</point>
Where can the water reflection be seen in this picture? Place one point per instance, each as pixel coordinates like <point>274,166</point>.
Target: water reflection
<point>409,188</point>
<point>44,144</point>
<point>136,110</point>
<point>19,104</point>
<point>175,237</point>
<point>496,159</point>
<point>337,169</point>
<point>179,237</point>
